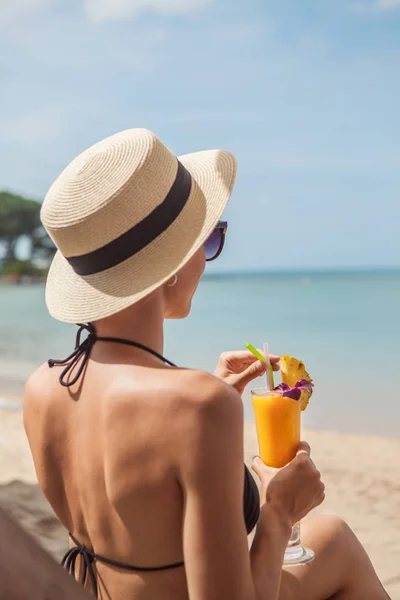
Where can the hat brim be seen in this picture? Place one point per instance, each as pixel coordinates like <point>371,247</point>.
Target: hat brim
<point>72,298</point>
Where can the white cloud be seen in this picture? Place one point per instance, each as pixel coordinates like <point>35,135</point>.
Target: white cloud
<point>104,10</point>
<point>388,4</point>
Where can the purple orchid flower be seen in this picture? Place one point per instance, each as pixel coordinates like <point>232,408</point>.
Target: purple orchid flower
<point>295,392</point>
<point>282,387</point>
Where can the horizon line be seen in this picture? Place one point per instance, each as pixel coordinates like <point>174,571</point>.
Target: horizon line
<point>308,271</point>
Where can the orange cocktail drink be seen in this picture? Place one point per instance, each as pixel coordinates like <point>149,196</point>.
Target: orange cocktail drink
<point>278,426</point>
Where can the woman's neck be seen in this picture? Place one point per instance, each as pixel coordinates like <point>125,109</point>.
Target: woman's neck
<point>142,322</point>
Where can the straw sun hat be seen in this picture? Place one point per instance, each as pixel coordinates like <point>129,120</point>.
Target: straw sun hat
<point>126,215</point>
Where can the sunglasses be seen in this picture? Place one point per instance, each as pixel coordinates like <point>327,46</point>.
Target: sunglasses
<point>215,243</point>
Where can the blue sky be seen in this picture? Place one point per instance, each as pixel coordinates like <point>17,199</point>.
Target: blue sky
<point>305,93</point>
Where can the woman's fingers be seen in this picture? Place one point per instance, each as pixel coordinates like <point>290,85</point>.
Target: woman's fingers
<point>303,447</point>
<point>258,465</point>
<point>247,357</point>
<point>261,469</point>
<point>274,360</point>
<point>252,372</point>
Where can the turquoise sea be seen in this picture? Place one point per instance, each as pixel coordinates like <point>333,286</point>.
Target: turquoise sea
<point>345,326</point>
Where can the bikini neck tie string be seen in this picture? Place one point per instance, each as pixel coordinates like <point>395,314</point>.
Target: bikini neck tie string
<point>84,349</point>
<point>81,349</point>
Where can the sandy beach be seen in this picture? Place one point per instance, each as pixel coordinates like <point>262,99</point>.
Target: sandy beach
<point>361,474</point>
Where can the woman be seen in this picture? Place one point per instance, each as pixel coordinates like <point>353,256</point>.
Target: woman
<point>143,461</point>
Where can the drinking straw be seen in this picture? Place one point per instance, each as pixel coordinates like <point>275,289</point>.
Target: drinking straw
<point>258,355</point>
<point>270,383</point>
<point>254,351</point>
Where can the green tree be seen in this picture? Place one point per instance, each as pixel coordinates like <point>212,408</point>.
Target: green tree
<point>42,245</point>
<point>18,216</point>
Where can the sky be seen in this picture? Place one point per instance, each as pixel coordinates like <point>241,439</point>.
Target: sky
<point>305,93</point>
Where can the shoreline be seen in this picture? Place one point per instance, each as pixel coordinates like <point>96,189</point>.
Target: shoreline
<point>361,474</point>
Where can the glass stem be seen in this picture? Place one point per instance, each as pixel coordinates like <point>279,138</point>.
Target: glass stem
<point>295,535</point>
<point>294,550</point>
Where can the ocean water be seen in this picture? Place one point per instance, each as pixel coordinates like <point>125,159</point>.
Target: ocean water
<point>345,326</point>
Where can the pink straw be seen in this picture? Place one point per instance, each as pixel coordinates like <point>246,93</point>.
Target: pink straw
<point>268,363</point>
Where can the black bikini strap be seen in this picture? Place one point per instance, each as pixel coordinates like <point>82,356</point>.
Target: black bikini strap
<point>69,563</point>
<point>84,349</point>
<point>88,556</point>
<point>81,349</point>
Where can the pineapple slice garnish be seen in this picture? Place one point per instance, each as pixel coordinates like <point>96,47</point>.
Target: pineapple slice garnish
<point>293,370</point>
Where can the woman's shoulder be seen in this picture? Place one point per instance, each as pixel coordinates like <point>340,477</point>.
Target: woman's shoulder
<point>184,389</point>
<point>181,400</point>
<point>37,385</point>
<point>201,391</point>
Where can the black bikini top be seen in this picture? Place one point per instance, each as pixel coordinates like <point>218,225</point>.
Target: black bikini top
<point>251,502</point>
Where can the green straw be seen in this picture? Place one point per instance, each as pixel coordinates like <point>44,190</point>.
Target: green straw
<point>261,357</point>
<point>254,351</point>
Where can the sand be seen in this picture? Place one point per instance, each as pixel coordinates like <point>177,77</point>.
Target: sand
<point>361,473</point>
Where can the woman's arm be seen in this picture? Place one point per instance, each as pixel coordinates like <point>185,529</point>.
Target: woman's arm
<point>217,560</point>
<point>267,552</point>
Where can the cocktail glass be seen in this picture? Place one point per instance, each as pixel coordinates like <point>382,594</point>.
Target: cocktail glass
<point>278,431</point>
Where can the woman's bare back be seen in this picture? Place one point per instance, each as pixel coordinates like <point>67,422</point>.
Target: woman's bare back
<point>106,452</point>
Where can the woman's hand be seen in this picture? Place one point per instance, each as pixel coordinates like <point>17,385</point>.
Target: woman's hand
<point>240,367</point>
<point>293,491</point>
